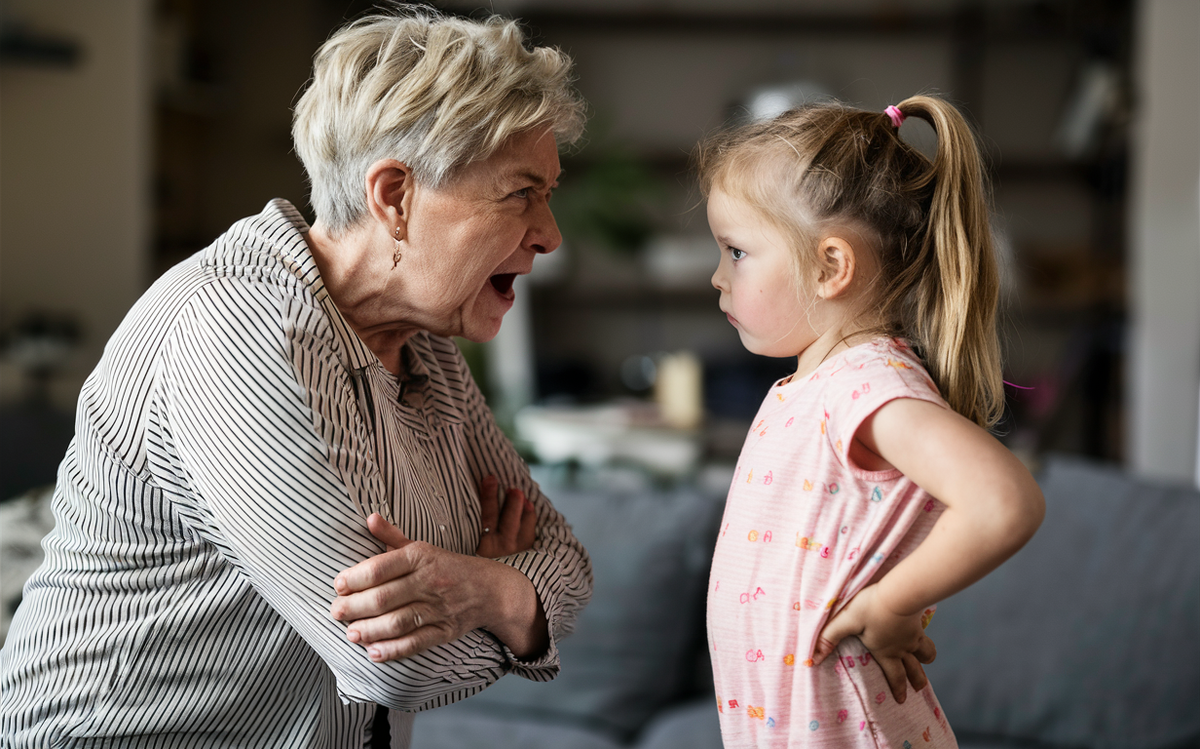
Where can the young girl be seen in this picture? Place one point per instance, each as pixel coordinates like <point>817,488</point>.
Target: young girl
<point>868,487</point>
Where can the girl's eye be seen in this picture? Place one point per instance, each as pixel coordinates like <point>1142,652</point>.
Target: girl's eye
<point>736,254</point>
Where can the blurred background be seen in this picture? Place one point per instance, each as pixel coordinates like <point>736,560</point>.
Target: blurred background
<point>133,132</point>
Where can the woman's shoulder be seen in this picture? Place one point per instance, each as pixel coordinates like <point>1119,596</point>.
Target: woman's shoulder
<point>268,248</point>
<point>260,271</point>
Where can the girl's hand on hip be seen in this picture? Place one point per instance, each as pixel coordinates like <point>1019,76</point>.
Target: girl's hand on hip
<point>416,596</point>
<point>506,531</point>
<point>897,642</point>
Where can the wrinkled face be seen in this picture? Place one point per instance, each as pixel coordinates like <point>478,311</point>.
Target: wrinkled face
<point>467,240</point>
<point>755,278</point>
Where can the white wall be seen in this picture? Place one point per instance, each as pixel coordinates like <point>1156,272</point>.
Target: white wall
<point>1164,372</point>
<point>75,150</point>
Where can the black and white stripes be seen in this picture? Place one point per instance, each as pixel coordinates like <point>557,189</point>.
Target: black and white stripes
<point>228,448</point>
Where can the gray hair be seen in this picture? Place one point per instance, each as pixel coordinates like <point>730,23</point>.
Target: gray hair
<point>432,91</point>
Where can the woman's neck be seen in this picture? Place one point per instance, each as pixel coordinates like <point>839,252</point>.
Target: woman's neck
<point>358,286</point>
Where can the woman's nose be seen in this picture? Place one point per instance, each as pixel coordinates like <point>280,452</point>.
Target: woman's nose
<point>543,235</point>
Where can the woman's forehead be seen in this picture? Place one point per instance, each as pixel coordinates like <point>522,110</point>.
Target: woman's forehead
<point>529,158</point>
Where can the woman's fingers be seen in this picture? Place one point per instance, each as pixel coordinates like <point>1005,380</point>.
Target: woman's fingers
<point>528,532</point>
<point>375,601</point>
<point>510,516</point>
<point>385,531</point>
<point>489,505</point>
<point>375,571</point>
<point>512,528</point>
<point>389,625</point>
<point>417,641</point>
<point>419,596</point>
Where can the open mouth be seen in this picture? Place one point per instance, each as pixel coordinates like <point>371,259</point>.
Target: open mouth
<point>503,282</point>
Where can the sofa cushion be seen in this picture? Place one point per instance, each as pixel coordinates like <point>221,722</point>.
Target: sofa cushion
<point>633,647</point>
<point>689,725</point>
<point>447,728</point>
<point>1089,636</point>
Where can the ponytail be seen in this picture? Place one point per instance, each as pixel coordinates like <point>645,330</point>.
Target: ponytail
<point>957,289</point>
<point>827,164</point>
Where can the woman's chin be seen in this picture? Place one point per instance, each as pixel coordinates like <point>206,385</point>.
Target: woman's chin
<point>481,330</point>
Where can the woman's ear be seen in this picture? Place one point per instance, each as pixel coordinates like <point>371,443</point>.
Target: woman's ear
<point>838,265</point>
<point>389,187</point>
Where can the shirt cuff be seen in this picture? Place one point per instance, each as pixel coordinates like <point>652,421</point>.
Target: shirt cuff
<point>543,571</point>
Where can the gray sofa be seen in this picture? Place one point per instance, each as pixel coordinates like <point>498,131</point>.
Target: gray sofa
<point>1089,638</point>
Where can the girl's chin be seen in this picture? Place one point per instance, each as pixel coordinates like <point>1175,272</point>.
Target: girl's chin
<point>763,348</point>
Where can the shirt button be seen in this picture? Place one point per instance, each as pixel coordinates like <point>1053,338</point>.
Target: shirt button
<point>442,527</point>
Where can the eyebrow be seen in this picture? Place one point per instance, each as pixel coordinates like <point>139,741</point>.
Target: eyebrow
<point>534,177</point>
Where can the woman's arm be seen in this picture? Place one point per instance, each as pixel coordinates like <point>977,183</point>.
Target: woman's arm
<point>416,596</point>
<point>265,454</point>
<point>993,507</point>
<point>539,591</point>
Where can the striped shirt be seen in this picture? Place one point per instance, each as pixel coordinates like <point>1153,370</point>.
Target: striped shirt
<point>228,448</point>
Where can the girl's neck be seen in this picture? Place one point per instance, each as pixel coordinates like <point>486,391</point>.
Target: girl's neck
<point>830,343</point>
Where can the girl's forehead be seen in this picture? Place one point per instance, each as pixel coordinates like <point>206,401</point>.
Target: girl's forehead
<point>729,207</point>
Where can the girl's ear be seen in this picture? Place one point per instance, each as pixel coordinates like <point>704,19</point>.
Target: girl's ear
<point>838,264</point>
<point>389,187</point>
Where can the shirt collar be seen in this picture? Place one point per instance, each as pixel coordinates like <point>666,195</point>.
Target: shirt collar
<point>293,250</point>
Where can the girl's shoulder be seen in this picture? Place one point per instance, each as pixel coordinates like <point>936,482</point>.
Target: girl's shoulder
<point>881,368</point>
<point>879,355</point>
<point>862,381</point>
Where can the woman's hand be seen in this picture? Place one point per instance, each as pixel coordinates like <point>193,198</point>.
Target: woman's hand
<point>897,642</point>
<point>416,596</point>
<point>506,531</point>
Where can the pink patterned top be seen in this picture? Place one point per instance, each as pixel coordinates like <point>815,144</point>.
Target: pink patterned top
<point>804,530</point>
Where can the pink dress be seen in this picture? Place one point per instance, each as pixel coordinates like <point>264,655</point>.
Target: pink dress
<point>804,530</point>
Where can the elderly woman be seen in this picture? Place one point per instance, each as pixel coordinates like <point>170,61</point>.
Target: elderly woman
<point>271,407</point>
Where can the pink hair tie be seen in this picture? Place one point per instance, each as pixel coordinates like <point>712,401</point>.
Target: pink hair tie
<point>896,116</point>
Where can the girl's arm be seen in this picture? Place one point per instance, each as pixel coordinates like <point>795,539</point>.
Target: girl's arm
<point>993,507</point>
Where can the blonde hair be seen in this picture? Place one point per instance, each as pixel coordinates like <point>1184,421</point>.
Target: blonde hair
<point>938,287</point>
<point>431,91</point>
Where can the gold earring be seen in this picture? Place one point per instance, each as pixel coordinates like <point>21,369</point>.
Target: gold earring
<point>396,250</point>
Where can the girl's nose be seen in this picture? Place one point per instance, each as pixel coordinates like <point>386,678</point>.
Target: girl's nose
<point>718,279</point>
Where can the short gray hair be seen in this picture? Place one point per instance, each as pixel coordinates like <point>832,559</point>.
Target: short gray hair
<point>433,91</point>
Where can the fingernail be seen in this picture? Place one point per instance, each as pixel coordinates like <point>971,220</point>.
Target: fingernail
<point>375,653</point>
<point>339,584</point>
<point>528,504</point>
<point>353,636</point>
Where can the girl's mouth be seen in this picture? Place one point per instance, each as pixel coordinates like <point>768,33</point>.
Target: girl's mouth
<point>503,283</point>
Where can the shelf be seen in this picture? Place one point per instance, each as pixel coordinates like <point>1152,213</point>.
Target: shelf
<point>1032,22</point>
<point>757,23</point>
